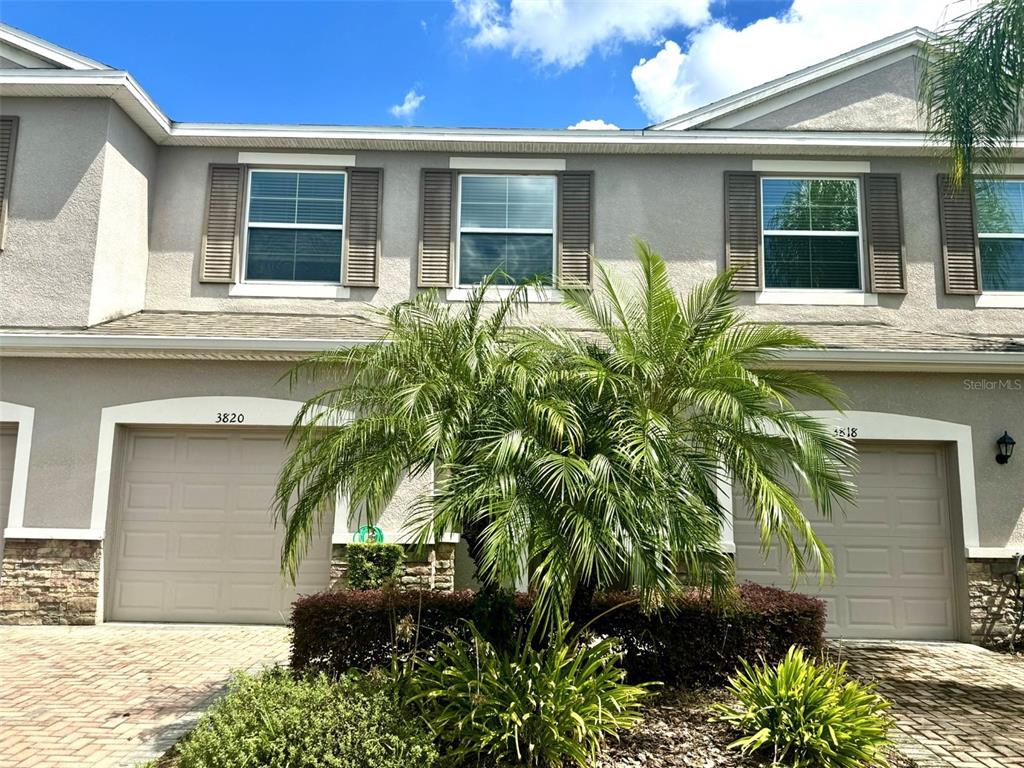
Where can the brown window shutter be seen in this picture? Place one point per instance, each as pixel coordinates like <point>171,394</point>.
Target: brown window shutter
<point>223,226</point>
<point>575,228</point>
<point>743,229</point>
<point>886,264</point>
<point>961,260</point>
<point>362,255</point>
<point>8,143</point>
<point>437,231</point>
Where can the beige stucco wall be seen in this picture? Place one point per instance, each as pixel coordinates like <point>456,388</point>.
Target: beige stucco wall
<point>988,403</point>
<point>884,100</point>
<point>674,202</point>
<point>68,395</point>
<point>122,238</point>
<point>53,211</point>
<point>78,218</point>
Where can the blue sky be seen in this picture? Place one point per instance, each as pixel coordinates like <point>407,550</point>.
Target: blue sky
<point>508,63</point>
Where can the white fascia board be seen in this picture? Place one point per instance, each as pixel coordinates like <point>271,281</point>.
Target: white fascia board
<point>326,159</point>
<point>902,360</point>
<point>43,341</point>
<point>394,537</point>
<point>869,54</point>
<point>47,50</point>
<point>811,166</point>
<point>122,88</point>
<point>506,164</point>
<point>63,534</point>
<point>994,553</point>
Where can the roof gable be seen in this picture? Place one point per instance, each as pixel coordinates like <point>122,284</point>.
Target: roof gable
<point>20,50</point>
<point>745,109</point>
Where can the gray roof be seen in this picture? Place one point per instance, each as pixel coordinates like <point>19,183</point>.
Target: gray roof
<point>871,336</point>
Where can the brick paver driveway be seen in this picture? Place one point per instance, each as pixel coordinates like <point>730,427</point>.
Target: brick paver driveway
<point>956,705</point>
<point>117,693</point>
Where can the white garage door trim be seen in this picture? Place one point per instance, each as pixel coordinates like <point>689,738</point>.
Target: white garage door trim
<point>23,416</point>
<point>878,426</point>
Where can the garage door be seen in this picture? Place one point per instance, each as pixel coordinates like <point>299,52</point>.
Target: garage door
<point>8,439</point>
<point>892,551</point>
<point>194,537</point>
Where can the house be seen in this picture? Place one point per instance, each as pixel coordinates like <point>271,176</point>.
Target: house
<point>158,278</point>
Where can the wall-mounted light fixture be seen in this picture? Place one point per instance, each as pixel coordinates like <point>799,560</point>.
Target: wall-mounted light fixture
<point>1005,445</point>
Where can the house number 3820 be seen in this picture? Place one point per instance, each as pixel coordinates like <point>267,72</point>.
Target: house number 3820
<point>224,417</point>
<point>845,431</point>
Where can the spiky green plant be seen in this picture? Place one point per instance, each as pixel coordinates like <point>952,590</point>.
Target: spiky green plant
<point>973,87</point>
<point>532,707</point>
<point>599,457</point>
<point>806,714</point>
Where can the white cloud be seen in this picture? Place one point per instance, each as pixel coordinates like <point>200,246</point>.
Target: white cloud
<point>722,60</point>
<point>565,32</point>
<point>409,105</point>
<point>593,125</point>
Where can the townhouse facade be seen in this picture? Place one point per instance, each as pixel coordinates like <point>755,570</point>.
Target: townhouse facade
<point>158,279</point>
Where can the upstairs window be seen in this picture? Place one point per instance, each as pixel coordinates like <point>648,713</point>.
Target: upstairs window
<point>506,223</point>
<point>811,231</point>
<point>295,226</point>
<point>1000,212</point>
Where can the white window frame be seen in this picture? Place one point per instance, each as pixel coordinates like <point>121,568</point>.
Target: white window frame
<point>553,231</point>
<point>996,298</point>
<point>781,295</point>
<point>315,288</point>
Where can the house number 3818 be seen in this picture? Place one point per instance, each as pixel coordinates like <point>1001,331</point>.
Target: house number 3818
<point>225,417</point>
<point>845,431</point>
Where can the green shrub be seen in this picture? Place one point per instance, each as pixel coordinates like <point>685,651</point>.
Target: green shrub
<point>274,720</point>
<point>690,641</point>
<point>808,715</point>
<point>552,706</point>
<point>372,566</point>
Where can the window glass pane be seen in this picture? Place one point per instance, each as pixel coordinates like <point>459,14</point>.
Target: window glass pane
<point>1000,206</point>
<point>531,202</point>
<point>297,198</point>
<point>265,184</point>
<point>293,254</point>
<point>484,201</point>
<point>815,205</point>
<point>1002,264</point>
<point>508,202</point>
<point>809,261</point>
<point>521,257</point>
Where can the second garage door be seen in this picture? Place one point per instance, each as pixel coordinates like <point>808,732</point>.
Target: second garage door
<point>892,551</point>
<point>194,538</point>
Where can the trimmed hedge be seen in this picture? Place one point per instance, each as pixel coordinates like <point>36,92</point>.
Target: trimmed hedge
<point>696,642</point>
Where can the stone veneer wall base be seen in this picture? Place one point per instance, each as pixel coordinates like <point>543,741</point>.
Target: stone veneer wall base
<point>430,568</point>
<point>49,581</point>
<point>994,608</point>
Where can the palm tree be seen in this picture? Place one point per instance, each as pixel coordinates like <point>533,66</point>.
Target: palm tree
<point>973,87</point>
<point>598,456</point>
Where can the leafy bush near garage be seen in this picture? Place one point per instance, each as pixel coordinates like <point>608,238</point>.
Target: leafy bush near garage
<point>373,566</point>
<point>277,720</point>
<point>691,641</point>
<point>807,714</point>
<point>553,705</point>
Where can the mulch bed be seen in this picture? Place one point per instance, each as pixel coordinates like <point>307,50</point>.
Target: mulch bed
<point>677,733</point>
